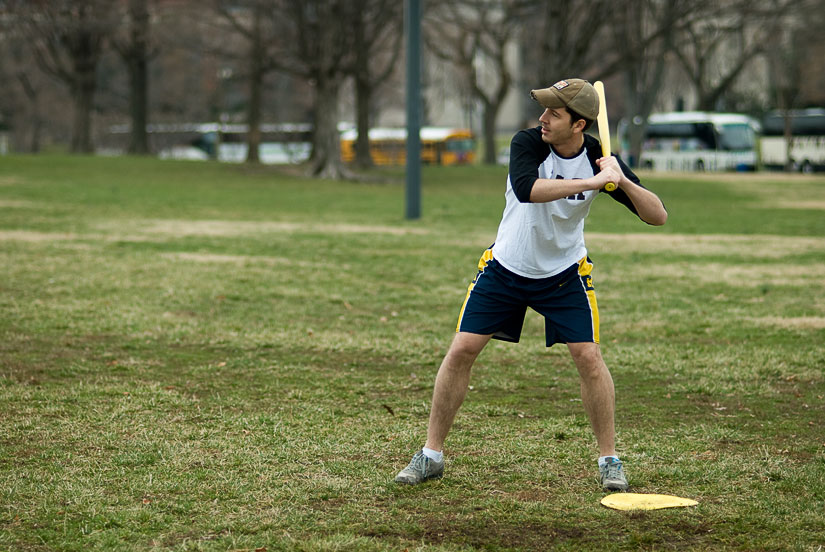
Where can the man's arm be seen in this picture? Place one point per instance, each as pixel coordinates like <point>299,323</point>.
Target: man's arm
<point>547,189</point>
<point>648,205</point>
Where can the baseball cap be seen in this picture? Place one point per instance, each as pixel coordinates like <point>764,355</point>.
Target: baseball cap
<point>576,94</point>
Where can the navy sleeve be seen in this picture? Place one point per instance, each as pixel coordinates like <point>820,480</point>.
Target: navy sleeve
<point>527,153</point>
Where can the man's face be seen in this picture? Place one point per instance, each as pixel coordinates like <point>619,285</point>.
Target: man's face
<point>556,126</point>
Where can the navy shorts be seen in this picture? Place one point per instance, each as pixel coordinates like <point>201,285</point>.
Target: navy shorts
<point>497,300</point>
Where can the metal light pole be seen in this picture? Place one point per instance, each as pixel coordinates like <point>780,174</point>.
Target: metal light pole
<point>412,24</point>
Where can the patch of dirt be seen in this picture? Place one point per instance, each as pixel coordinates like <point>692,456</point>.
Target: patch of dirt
<point>812,205</point>
<point>763,245</point>
<point>18,203</point>
<point>35,237</point>
<point>743,275</point>
<point>224,228</point>
<point>9,181</point>
<point>240,259</point>
<point>791,322</point>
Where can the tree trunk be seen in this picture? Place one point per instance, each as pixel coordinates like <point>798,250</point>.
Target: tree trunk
<point>363,158</point>
<point>643,85</point>
<point>139,76</point>
<point>138,63</point>
<point>85,49</point>
<point>83,97</point>
<point>788,135</point>
<point>326,159</point>
<point>636,137</point>
<point>636,121</point>
<point>363,91</point>
<point>253,139</point>
<point>256,83</point>
<point>492,106</point>
<point>36,121</point>
<point>645,69</point>
<point>489,131</point>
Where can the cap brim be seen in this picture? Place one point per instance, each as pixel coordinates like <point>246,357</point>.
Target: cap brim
<point>547,97</point>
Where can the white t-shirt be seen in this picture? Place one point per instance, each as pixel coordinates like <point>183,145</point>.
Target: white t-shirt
<point>538,240</point>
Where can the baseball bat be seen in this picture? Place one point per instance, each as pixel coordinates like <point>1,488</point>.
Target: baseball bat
<point>604,129</point>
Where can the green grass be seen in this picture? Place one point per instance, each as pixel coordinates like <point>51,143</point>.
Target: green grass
<point>209,357</point>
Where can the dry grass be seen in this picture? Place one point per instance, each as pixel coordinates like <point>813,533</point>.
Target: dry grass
<point>702,245</point>
<point>238,228</point>
<point>31,236</point>
<point>797,322</point>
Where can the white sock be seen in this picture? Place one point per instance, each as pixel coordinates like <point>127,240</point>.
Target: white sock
<point>435,455</point>
<point>603,460</point>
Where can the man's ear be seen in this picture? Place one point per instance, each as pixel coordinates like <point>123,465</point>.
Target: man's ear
<point>579,125</point>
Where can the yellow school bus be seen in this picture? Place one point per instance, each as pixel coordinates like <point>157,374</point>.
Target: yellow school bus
<point>439,146</point>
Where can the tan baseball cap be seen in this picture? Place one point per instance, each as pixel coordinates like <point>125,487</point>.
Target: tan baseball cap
<point>576,94</point>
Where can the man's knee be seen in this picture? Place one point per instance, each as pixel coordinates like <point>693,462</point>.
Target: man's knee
<point>466,347</point>
<point>588,359</point>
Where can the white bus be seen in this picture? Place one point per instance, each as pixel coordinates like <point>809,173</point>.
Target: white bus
<point>698,141</point>
<point>807,146</point>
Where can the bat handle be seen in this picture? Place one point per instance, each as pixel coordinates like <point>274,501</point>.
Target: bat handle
<point>610,186</point>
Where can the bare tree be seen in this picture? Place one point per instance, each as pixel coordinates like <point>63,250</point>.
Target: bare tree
<point>135,49</point>
<point>560,39</point>
<point>316,44</point>
<point>377,34</point>
<point>32,94</point>
<point>568,34</point>
<point>643,35</point>
<point>255,21</point>
<point>714,50</point>
<point>464,31</point>
<point>67,38</point>
<point>20,88</point>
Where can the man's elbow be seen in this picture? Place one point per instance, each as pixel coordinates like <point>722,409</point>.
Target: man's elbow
<point>658,218</point>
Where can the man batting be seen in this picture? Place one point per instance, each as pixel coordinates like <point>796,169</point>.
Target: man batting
<point>539,260</point>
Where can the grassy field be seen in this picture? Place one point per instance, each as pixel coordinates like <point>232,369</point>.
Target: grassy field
<point>208,357</point>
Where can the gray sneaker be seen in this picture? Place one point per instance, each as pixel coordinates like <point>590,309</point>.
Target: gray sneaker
<point>612,476</point>
<point>419,470</point>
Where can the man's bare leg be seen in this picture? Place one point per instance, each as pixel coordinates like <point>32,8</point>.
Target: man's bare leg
<point>451,385</point>
<point>598,395</point>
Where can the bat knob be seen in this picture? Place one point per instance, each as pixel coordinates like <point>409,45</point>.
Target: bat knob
<point>610,186</point>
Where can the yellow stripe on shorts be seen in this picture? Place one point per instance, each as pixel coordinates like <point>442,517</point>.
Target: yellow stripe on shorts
<point>585,268</point>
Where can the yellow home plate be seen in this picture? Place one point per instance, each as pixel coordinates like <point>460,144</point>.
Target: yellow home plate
<point>635,501</point>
